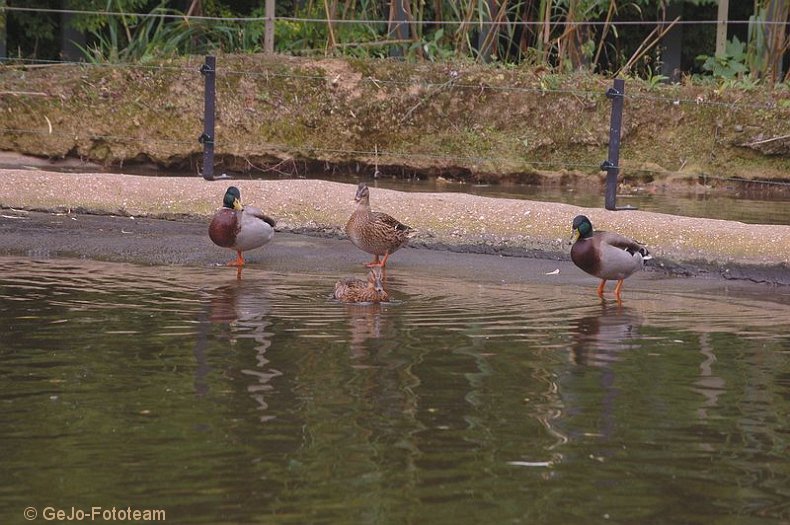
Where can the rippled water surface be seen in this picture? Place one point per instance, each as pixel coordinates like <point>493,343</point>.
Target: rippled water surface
<point>262,401</point>
<point>759,204</point>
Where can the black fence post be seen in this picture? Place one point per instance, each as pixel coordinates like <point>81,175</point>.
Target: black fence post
<point>612,164</point>
<point>398,26</point>
<point>208,69</point>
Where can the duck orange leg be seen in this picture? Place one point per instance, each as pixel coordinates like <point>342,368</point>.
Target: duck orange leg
<point>617,290</point>
<point>374,262</point>
<point>384,260</point>
<point>238,261</point>
<point>600,288</point>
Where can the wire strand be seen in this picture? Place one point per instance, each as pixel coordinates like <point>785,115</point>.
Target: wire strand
<point>285,147</point>
<point>455,83</point>
<point>476,159</point>
<point>565,23</point>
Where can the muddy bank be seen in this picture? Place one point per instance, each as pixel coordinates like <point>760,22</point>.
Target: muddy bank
<point>286,115</point>
<point>184,242</point>
<point>445,222</point>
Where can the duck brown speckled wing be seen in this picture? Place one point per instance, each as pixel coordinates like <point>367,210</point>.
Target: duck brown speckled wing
<point>377,233</point>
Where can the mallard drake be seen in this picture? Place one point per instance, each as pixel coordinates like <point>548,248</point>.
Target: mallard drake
<point>606,255</point>
<point>352,290</point>
<point>375,232</point>
<point>238,227</point>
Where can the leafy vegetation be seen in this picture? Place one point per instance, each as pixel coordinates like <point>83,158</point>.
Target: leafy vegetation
<point>731,64</point>
<point>549,33</point>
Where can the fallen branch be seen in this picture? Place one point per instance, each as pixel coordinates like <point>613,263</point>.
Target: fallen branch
<point>644,47</point>
<point>25,93</point>
<point>424,99</point>
<point>765,141</point>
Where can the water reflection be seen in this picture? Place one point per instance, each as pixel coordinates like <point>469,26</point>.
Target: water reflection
<point>242,308</point>
<point>450,405</point>
<point>600,338</point>
<point>709,385</point>
<point>369,326</point>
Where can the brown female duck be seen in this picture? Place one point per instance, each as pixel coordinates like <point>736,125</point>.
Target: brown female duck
<point>606,255</point>
<point>239,228</point>
<point>375,232</point>
<point>352,290</point>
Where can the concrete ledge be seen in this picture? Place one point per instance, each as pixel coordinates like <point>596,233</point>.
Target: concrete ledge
<point>446,221</point>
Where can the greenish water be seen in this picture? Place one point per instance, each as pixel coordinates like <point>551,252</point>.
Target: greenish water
<point>262,401</point>
<point>767,204</point>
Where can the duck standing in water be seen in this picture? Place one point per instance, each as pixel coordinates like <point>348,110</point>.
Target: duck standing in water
<point>606,255</point>
<point>238,227</point>
<point>352,290</point>
<point>375,232</point>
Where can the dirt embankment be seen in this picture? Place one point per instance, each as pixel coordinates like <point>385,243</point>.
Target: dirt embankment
<point>290,115</point>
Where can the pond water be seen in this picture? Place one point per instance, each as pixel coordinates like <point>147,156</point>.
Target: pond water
<point>262,401</point>
<point>757,205</point>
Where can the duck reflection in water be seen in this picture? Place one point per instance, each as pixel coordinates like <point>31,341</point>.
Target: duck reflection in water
<point>599,341</point>
<point>243,308</point>
<point>600,338</point>
<point>364,309</point>
<point>368,323</point>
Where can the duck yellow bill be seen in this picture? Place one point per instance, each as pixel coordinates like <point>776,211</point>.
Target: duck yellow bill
<point>574,236</point>
<point>237,204</point>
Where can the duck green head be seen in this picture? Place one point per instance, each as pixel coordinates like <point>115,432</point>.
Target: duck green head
<point>232,198</point>
<point>582,228</point>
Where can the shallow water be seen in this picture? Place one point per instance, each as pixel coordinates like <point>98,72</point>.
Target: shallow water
<point>757,205</point>
<point>261,400</point>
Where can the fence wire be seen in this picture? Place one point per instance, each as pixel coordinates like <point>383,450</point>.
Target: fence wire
<point>375,154</point>
<point>479,22</point>
<point>378,153</point>
<point>453,82</point>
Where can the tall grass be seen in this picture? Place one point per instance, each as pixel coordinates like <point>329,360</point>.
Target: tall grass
<point>549,33</point>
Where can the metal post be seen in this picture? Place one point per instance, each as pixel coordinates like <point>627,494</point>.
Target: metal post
<point>721,27</point>
<point>208,69</point>
<point>777,11</point>
<point>70,38</point>
<point>612,164</point>
<point>268,32</point>
<point>486,41</point>
<point>672,45</point>
<point>398,27</point>
<point>3,24</point>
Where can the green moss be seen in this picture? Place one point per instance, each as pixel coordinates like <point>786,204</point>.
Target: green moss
<point>440,115</point>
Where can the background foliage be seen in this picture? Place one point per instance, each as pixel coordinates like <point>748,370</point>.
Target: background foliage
<point>534,32</point>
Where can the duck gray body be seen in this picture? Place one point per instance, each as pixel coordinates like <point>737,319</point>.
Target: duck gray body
<point>606,255</point>
<point>240,228</point>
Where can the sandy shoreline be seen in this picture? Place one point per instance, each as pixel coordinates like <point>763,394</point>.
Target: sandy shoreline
<point>445,221</point>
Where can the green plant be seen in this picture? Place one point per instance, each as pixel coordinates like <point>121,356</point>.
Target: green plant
<point>654,79</point>
<point>731,64</point>
<point>134,38</point>
<point>432,48</point>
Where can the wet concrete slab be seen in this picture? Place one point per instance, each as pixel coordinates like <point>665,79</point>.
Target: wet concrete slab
<point>145,241</point>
